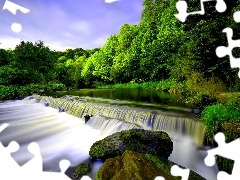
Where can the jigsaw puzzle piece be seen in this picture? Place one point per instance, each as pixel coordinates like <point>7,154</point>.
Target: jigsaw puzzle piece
<point>221,6</point>
<point>227,150</point>
<point>222,51</point>
<point>7,163</point>
<point>223,149</point>
<point>12,147</point>
<point>177,171</point>
<point>35,164</point>
<point>183,14</point>
<point>12,7</point>
<point>3,126</point>
<point>223,176</point>
<point>40,175</point>
<point>236,16</point>
<point>64,165</point>
<point>88,178</point>
<point>182,11</point>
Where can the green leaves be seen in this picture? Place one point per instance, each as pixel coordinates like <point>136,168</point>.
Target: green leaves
<point>10,92</point>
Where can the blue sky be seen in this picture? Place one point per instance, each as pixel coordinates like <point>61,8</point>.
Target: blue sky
<point>63,24</point>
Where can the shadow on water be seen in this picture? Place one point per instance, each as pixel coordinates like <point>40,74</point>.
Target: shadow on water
<point>139,95</point>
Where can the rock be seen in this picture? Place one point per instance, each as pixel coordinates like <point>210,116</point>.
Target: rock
<point>139,140</point>
<point>87,118</point>
<point>80,171</point>
<point>137,166</point>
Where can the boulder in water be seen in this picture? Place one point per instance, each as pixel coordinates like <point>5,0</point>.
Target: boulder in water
<point>138,166</point>
<point>139,140</point>
<point>87,118</point>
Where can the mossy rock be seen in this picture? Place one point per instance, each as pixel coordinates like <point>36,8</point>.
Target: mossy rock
<point>80,171</point>
<point>139,140</point>
<point>137,166</point>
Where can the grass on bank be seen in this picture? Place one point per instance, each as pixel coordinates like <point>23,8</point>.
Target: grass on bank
<point>165,85</point>
<point>195,91</point>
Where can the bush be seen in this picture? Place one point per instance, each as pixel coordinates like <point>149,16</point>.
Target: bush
<point>222,117</point>
<point>11,92</point>
<point>8,92</point>
<point>216,115</point>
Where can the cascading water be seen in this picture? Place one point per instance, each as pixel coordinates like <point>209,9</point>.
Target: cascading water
<point>59,135</point>
<point>65,135</point>
<point>157,120</point>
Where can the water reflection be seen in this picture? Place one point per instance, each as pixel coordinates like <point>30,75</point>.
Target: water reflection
<point>140,95</point>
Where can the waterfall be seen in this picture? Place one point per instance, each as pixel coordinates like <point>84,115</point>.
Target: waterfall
<point>59,135</point>
<point>176,127</point>
<point>64,135</point>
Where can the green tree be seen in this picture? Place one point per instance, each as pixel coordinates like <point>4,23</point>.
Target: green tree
<point>4,57</point>
<point>206,31</point>
<point>87,71</point>
<point>37,59</point>
<point>76,71</point>
<point>103,59</point>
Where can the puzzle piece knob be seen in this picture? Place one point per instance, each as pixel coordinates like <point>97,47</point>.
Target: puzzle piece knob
<point>16,27</point>
<point>210,160</point>
<point>182,9</point>
<point>177,171</point>
<point>13,146</point>
<point>64,165</point>
<point>159,178</point>
<point>221,51</point>
<point>236,16</point>
<point>34,148</point>
<point>220,138</point>
<point>221,6</point>
<point>88,178</point>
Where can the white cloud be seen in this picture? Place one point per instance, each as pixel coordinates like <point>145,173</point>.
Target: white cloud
<point>100,41</point>
<point>7,43</point>
<point>58,47</point>
<point>82,26</point>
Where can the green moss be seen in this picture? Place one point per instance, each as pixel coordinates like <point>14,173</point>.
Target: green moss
<point>137,166</point>
<point>80,171</point>
<point>138,140</point>
<point>166,165</point>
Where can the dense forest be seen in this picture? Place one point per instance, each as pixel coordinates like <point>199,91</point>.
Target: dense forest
<point>159,48</point>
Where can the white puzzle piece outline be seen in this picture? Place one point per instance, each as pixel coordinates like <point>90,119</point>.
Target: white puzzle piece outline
<point>222,51</point>
<point>12,7</point>
<point>33,169</point>
<point>227,150</point>
<point>182,9</point>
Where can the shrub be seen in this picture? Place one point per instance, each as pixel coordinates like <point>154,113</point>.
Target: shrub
<point>11,92</point>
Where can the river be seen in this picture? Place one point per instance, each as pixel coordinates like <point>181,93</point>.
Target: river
<point>65,135</point>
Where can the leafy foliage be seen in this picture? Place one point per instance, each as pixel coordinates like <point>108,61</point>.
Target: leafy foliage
<point>13,92</point>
